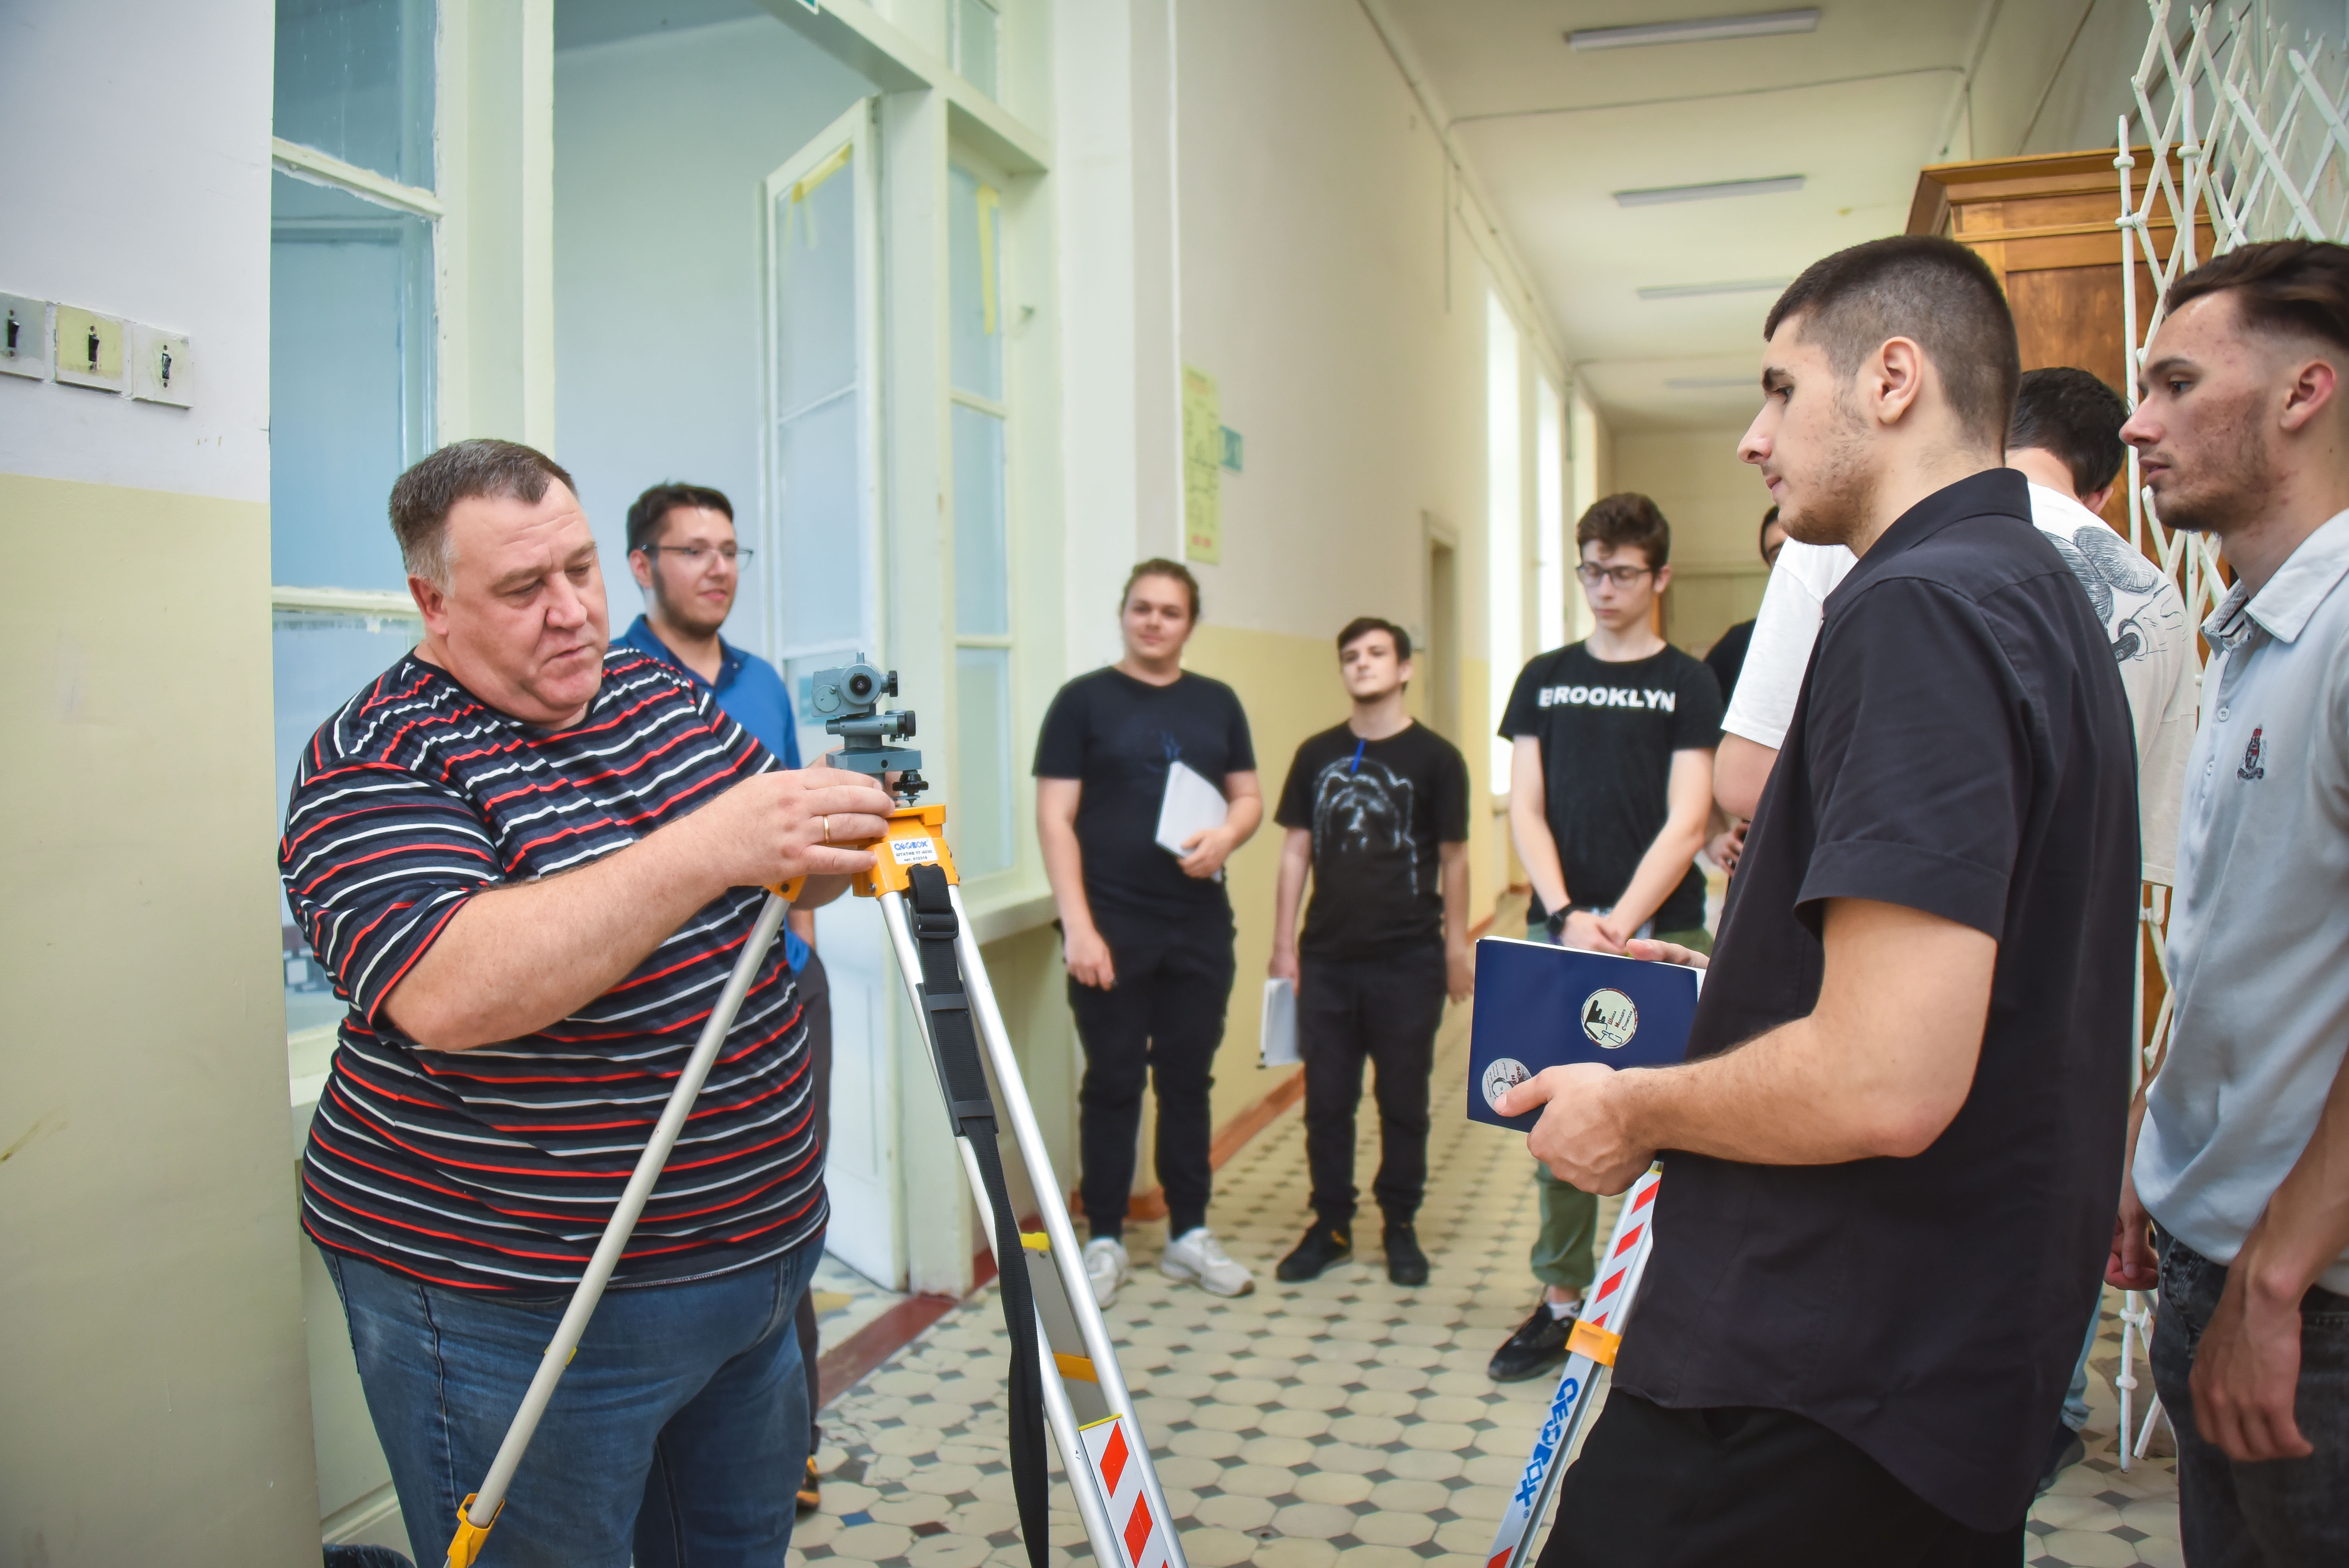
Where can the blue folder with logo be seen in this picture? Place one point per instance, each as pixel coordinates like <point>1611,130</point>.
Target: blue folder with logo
<point>1541,1006</point>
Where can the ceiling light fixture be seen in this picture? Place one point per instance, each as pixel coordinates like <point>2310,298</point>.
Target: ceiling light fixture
<point>1711,191</point>
<point>1709,383</point>
<point>1700,291</point>
<point>1696,30</point>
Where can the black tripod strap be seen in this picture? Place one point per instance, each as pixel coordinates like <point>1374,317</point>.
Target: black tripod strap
<point>970,1106</point>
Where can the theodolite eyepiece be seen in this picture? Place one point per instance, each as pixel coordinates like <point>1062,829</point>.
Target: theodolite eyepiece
<point>849,698</point>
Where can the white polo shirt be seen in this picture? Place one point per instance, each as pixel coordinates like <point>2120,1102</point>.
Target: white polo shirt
<point>2141,610</point>
<point>2258,938</point>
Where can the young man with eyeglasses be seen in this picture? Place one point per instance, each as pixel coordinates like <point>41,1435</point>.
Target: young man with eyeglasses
<point>683,553</point>
<point>1610,795</point>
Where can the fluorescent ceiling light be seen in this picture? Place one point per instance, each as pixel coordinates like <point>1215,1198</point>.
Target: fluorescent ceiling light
<point>1699,290</point>
<point>1712,382</point>
<point>1713,189</point>
<point>1696,30</point>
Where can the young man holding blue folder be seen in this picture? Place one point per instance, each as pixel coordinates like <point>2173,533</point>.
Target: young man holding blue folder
<point>1892,1156</point>
<point>1377,812</point>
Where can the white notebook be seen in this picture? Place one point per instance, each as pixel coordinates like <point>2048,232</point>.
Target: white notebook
<point>1190,805</point>
<point>1278,1039</point>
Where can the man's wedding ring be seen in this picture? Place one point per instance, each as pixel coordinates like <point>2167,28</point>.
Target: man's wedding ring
<point>827,829</point>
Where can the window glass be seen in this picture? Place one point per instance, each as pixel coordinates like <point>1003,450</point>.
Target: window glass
<point>355,80</point>
<point>976,47</point>
<point>350,395</point>
<point>820,583</point>
<point>979,823</point>
<point>815,289</point>
<point>974,257</point>
<point>321,661</point>
<point>981,550</point>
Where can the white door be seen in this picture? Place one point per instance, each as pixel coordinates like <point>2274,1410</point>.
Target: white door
<point>823,525</point>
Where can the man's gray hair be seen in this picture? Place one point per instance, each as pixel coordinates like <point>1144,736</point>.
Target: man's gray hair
<point>422,498</point>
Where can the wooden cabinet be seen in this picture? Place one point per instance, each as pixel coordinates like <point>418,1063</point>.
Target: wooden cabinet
<point>2046,226</point>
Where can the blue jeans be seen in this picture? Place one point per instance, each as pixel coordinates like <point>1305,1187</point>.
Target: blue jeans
<point>2279,1514</point>
<point>677,1436</point>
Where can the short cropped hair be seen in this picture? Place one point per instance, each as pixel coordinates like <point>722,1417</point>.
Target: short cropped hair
<point>1364,625</point>
<point>2296,288</point>
<point>647,513</point>
<point>1159,566</point>
<point>1934,291</point>
<point>422,498</point>
<point>2075,418</point>
<point>1627,519</point>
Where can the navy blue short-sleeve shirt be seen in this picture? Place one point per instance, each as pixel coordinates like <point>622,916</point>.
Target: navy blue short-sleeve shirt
<point>1961,746</point>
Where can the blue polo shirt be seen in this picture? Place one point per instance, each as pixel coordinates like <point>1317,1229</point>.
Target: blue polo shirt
<point>753,697</point>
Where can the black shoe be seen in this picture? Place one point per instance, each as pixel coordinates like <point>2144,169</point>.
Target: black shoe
<point>1538,1345</point>
<point>2066,1450</point>
<point>1406,1264</point>
<point>1324,1246</point>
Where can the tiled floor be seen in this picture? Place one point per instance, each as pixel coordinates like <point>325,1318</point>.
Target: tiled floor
<point>845,1301</point>
<point>1347,1423</point>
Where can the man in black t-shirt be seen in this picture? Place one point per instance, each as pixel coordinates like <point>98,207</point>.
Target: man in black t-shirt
<point>1893,1155</point>
<point>1610,793</point>
<point>1377,812</point>
<point>1146,932</point>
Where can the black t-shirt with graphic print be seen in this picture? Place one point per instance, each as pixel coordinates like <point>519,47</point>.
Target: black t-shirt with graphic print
<point>1378,809</point>
<point>1607,732</point>
<point>1118,736</point>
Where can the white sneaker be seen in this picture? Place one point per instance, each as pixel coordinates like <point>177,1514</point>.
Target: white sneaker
<point>1106,1266</point>
<point>1197,1256</point>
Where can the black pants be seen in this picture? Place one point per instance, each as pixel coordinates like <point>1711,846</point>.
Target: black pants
<point>815,999</point>
<point>1695,1489</point>
<point>1383,1011</point>
<point>1161,1022</point>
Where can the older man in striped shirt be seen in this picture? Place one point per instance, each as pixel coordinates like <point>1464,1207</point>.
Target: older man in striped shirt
<point>528,861</point>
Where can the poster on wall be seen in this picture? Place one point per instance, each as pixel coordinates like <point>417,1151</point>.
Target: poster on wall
<point>1203,457</point>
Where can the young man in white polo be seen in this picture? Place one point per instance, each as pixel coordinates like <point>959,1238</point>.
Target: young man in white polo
<point>2241,1141</point>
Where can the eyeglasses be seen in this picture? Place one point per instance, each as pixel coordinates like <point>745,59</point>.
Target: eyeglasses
<point>1622,576</point>
<point>694,554</point>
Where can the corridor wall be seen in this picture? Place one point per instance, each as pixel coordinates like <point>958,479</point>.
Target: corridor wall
<point>1339,301</point>
<point>153,1399</point>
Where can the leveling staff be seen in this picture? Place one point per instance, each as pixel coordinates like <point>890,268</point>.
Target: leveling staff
<point>1895,1148</point>
<point>529,864</point>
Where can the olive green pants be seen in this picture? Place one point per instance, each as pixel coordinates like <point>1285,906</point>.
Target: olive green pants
<point>1563,1252</point>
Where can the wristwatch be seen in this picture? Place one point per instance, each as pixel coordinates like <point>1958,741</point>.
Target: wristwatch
<point>1555,924</point>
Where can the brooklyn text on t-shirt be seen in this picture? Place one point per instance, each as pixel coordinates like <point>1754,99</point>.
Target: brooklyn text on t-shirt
<point>1609,696</point>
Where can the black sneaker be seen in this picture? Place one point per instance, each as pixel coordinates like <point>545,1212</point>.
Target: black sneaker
<point>1538,1345</point>
<point>1325,1244</point>
<point>1406,1264</point>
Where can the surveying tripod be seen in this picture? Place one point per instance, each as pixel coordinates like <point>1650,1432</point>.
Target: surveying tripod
<point>1598,1333</point>
<point>1064,1370</point>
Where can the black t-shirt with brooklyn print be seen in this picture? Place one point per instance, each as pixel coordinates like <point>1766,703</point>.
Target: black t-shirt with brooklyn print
<point>1607,732</point>
<point>1378,810</point>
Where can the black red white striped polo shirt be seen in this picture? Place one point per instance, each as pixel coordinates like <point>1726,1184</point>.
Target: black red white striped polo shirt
<point>495,1169</point>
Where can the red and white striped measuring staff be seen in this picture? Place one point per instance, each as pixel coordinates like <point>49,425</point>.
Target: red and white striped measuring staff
<point>1110,1453</point>
<point>1591,1345</point>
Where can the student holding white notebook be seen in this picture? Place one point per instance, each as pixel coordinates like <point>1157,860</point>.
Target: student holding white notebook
<point>1129,754</point>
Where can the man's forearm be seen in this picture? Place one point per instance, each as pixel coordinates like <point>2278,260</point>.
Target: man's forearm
<point>1740,769</point>
<point>1453,874</point>
<point>1659,873</point>
<point>1539,851</point>
<point>516,959</point>
<point>2304,1228</point>
<point>1064,871</point>
<point>1287,893</point>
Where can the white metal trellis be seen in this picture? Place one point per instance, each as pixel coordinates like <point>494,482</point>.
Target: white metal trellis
<point>2247,136</point>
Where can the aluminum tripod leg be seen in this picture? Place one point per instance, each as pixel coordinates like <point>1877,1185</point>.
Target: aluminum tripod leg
<point>1592,1346</point>
<point>481,1509</point>
<point>1130,1483</point>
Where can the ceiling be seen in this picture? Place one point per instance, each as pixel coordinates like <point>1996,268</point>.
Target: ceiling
<point>1856,108</point>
